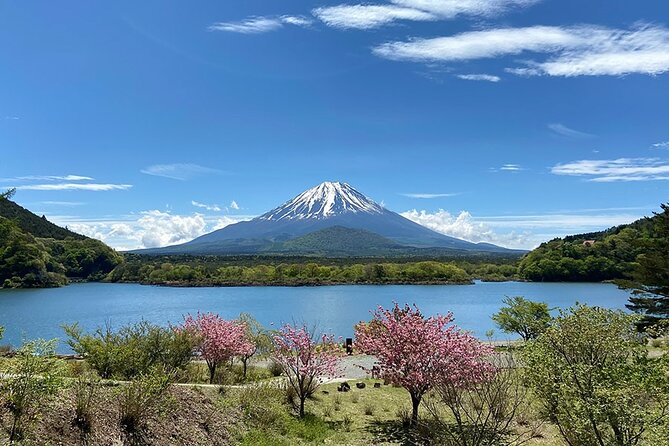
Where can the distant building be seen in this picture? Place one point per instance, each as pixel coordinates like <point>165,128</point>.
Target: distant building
<point>588,242</point>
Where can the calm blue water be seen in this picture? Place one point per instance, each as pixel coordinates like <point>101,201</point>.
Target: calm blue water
<point>28,314</point>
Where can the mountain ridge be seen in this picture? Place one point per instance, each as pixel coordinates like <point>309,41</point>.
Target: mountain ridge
<point>327,205</point>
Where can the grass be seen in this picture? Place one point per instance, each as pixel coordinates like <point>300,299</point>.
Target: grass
<point>358,417</point>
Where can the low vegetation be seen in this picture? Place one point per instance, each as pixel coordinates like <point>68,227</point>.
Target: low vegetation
<point>586,378</point>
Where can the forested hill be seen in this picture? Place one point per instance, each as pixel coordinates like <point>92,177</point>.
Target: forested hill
<point>36,253</point>
<point>596,256</point>
<point>34,225</point>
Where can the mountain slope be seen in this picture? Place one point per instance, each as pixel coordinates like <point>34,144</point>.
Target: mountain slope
<point>324,206</point>
<point>32,224</point>
<point>604,255</point>
<point>36,253</point>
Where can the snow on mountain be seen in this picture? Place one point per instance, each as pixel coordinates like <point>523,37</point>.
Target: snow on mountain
<point>323,201</point>
<point>328,205</point>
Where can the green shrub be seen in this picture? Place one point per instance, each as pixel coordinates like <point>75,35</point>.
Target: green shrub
<point>275,369</point>
<point>85,389</point>
<point>592,372</point>
<point>133,350</point>
<point>30,380</point>
<point>144,397</point>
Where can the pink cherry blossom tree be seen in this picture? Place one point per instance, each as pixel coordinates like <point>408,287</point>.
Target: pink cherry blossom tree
<point>418,353</point>
<point>305,361</point>
<point>220,340</point>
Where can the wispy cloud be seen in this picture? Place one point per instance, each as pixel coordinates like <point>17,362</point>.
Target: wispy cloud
<point>508,168</point>
<point>234,205</point>
<point>10,118</point>
<point>621,169</point>
<point>258,25</point>
<point>563,130</point>
<point>369,16</point>
<point>62,203</point>
<point>209,207</point>
<point>179,171</point>
<point>661,145</point>
<point>479,77</point>
<point>96,187</point>
<point>586,50</point>
<point>421,195</point>
<point>49,178</point>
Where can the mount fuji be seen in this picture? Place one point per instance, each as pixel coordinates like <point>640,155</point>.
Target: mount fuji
<point>329,219</point>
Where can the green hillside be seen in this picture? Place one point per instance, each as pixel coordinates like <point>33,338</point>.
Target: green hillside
<point>338,240</point>
<point>606,255</point>
<point>32,224</point>
<point>36,253</point>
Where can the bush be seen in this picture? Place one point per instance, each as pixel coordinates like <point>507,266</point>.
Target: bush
<point>29,381</point>
<point>85,393</point>
<point>133,350</point>
<point>592,372</point>
<point>275,369</point>
<point>486,413</point>
<point>143,398</point>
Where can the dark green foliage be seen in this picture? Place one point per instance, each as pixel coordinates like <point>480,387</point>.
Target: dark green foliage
<point>25,261</point>
<point>651,279</point>
<point>594,257</point>
<point>133,350</point>
<point>592,373</point>
<point>339,240</point>
<point>38,227</point>
<point>36,253</point>
<point>527,318</point>
<point>87,259</point>
<point>157,271</point>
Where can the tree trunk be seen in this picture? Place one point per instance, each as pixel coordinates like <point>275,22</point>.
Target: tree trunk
<point>302,406</point>
<point>415,402</point>
<point>212,372</point>
<point>244,361</point>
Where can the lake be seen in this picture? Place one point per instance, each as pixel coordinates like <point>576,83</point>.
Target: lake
<point>29,314</point>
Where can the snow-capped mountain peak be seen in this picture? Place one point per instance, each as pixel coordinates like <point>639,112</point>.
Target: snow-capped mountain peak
<point>324,201</point>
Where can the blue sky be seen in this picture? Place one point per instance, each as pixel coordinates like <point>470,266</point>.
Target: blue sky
<point>510,121</point>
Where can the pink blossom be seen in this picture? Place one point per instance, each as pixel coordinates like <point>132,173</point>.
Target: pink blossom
<point>220,340</point>
<point>304,360</point>
<point>418,353</point>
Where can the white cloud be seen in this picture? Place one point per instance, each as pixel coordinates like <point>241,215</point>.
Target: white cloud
<point>163,228</point>
<point>62,203</point>
<point>234,205</point>
<point>421,195</point>
<point>11,118</point>
<point>464,226</point>
<point>49,178</point>
<point>97,187</point>
<point>522,231</point>
<point>479,77</point>
<point>571,51</point>
<point>563,130</point>
<point>257,25</point>
<point>510,168</point>
<point>224,221</point>
<point>368,16</point>
<point>661,145</point>
<point>179,171</point>
<point>209,207</point>
<point>621,169</point>
<point>149,229</point>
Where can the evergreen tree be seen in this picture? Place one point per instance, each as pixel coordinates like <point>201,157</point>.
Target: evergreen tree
<point>651,286</point>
